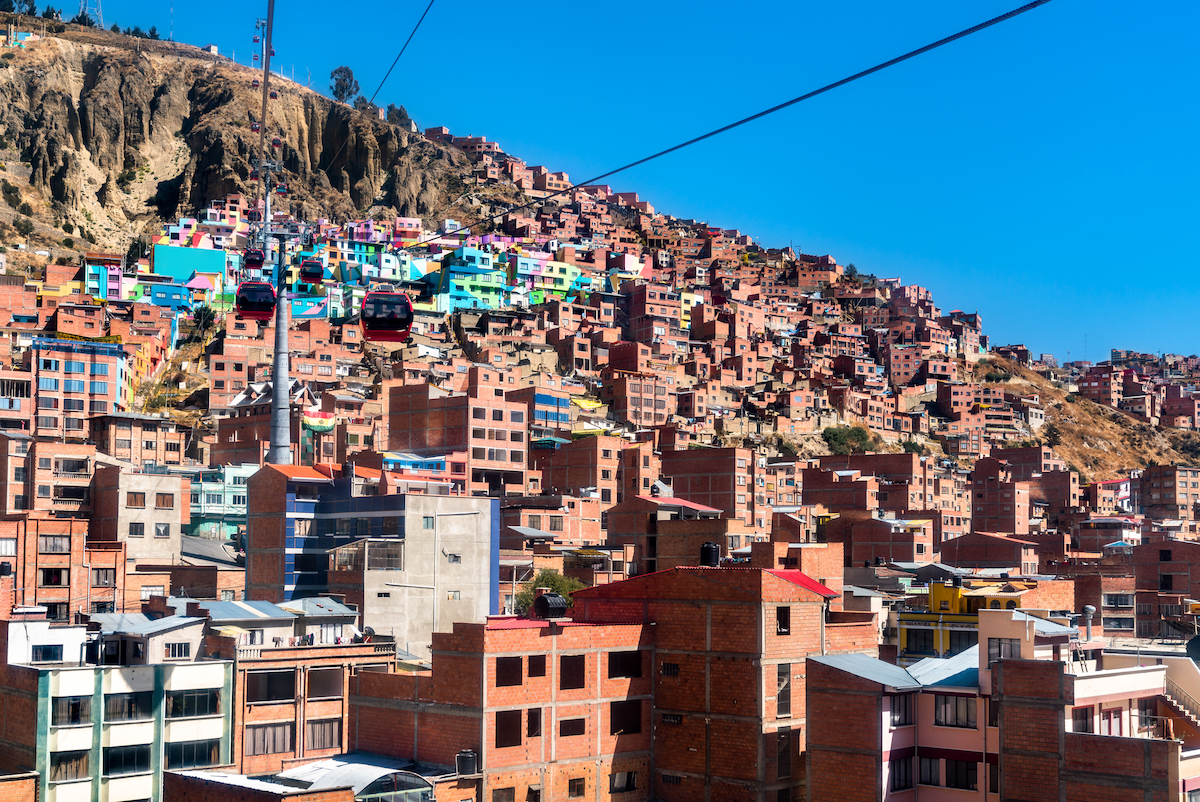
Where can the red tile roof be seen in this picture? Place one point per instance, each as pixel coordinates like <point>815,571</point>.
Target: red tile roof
<point>299,472</point>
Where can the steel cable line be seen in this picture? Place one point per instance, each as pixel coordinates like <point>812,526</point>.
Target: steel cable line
<point>808,95</point>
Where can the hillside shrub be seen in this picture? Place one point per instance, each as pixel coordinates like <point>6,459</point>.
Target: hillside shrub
<point>846,439</point>
<point>24,226</point>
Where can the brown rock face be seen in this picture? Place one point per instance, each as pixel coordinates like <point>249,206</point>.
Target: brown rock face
<point>129,138</point>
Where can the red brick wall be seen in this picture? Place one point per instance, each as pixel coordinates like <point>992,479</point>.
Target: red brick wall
<point>19,787</point>
<point>181,788</point>
<point>843,739</point>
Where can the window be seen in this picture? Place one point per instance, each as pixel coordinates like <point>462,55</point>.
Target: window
<point>47,384</point>
<point>902,710</point>
<point>624,664</point>
<point>497,414</point>
<point>572,672</point>
<point>508,728</point>
<point>1003,648</point>
<point>48,653</point>
<point>993,712</point>
<point>54,577</point>
<point>954,711</point>
<point>783,620</point>
<point>127,759</point>
<point>104,577</point>
<point>962,639</point>
<point>152,590</point>
<point>99,370</point>
<point>783,692</point>
<point>68,710</point>
<point>323,734</point>
<point>620,782</point>
<point>191,754</point>
<point>625,718</point>
<point>162,530</point>
<point>178,651</point>
<point>961,774</point>
<point>1164,555</point>
<point>930,771</point>
<point>54,544</point>
<point>189,704</point>
<point>66,766</point>
<point>576,787</point>
<point>137,500</point>
<point>508,671</point>
<point>427,522</point>
<point>1081,719</point>
<point>270,739</point>
<point>137,529</point>
<point>571,726</point>
<point>504,794</point>
<point>164,501</point>
<point>271,686</point>
<point>900,772</point>
<point>73,385</point>
<point>670,669</point>
<point>1166,582</point>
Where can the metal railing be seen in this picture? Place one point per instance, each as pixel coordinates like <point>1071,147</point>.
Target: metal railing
<point>1182,698</point>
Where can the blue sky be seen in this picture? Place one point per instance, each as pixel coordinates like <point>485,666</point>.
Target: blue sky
<point>1042,172</point>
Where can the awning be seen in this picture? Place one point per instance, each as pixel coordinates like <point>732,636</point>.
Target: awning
<point>230,630</point>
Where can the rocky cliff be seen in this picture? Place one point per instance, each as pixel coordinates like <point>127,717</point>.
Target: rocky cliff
<point>114,135</point>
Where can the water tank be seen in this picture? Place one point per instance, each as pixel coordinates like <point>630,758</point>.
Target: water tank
<point>710,555</point>
<point>549,605</point>
<point>956,581</point>
<point>467,762</point>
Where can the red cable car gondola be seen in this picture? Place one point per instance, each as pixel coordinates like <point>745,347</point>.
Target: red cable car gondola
<point>254,175</point>
<point>386,316</point>
<point>255,38</point>
<point>274,95</point>
<point>272,52</point>
<point>255,84</point>
<point>255,300</point>
<point>255,127</point>
<point>281,189</point>
<point>312,271</point>
<point>254,258</point>
<point>256,57</point>
<point>277,142</point>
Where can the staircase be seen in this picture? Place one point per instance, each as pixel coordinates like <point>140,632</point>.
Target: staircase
<point>1182,702</point>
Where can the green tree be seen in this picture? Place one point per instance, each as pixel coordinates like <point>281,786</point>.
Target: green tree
<point>851,271</point>
<point>115,28</point>
<point>344,86</point>
<point>137,249</point>
<point>29,8</point>
<point>547,578</point>
<point>8,5</point>
<point>25,209</point>
<point>1051,435</point>
<point>152,32</point>
<point>204,318</point>
<point>24,226</point>
<point>84,20</point>
<point>846,439</point>
<point>50,12</point>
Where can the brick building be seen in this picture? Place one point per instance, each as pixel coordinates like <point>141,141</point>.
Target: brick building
<point>140,439</point>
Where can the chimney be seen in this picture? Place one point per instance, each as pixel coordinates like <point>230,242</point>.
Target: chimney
<point>1088,612</point>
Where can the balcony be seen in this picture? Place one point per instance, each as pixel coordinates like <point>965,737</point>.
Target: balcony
<point>84,476</point>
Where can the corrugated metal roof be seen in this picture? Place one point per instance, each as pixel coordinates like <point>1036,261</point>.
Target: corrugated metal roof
<point>805,581</point>
<point>317,606</point>
<point>678,502</point>
<point>235,610</point>
<point>860,665</point>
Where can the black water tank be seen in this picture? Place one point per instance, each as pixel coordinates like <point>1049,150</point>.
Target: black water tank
<point>710,555</point>
<point>467,762</point>
<point>550,605</point>
<point>957,581</point>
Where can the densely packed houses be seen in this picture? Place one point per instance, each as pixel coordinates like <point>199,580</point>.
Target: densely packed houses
<point>596,390</point>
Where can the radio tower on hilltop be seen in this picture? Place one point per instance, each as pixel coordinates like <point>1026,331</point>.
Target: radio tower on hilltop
<point>92,9</point>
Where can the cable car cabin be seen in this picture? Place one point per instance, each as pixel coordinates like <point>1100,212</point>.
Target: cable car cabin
<point>312,271</point>
<point>386,317</point>
<point>281,189</point>
<point>255,84</point>
<point>272,52</point>
<point>274,95</point>
<point>255,127</point>
<point>254,258</point>
<point>256,57</point>
<point>254,175</point>
<point>277,142</point>
<point>255,39</point>
<point>255,300</point>
<point>253,216</point>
